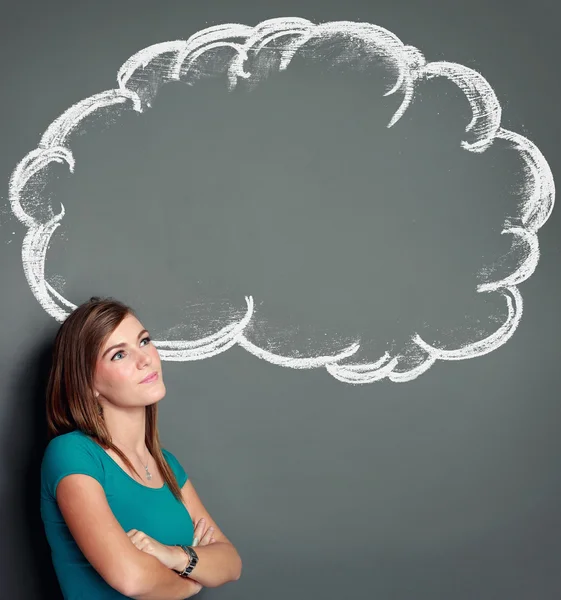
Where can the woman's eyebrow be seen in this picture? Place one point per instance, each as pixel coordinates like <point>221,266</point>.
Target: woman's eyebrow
<point>122,343</point>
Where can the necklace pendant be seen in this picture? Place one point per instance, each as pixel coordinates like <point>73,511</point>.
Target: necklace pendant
<point>148,474</point>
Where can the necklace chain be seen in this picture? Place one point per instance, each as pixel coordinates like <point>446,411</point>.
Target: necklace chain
<point>148,474</point>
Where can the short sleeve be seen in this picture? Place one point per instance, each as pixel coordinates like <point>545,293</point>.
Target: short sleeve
<point>67,454</point>
<point>176,467</point>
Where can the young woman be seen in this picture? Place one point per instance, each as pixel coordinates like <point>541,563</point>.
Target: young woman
<point>119,510</point>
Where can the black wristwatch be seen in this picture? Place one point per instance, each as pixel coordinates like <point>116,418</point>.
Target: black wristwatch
<point>193,560</point>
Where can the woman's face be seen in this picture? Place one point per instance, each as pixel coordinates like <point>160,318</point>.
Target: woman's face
<point>128,371</point>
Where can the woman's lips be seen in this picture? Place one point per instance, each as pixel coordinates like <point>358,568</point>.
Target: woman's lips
<point>150,378</point>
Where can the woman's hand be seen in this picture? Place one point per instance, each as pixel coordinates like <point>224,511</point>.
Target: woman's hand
<point>202,537</point>
<point>168,555</point>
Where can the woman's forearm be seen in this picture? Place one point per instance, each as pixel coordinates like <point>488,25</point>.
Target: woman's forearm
<point>156,582</point>
<point>219,563</point>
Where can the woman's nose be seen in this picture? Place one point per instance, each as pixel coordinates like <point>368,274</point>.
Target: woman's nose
<point>144,359</point>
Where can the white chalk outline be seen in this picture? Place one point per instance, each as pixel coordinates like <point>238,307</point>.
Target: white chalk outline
<point>176,59</point>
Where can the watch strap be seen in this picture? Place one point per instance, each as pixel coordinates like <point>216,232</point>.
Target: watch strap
<point>193,560</point>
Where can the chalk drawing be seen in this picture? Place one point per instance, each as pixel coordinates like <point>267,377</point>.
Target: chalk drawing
<point>275,43</point>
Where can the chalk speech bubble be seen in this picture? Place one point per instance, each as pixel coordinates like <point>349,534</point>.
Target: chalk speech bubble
<point>276,42</point>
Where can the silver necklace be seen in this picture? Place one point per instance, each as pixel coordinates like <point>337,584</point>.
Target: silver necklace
<point>148,474</point>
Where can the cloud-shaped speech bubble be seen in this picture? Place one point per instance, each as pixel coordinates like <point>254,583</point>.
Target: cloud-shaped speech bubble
<point>250,54</point>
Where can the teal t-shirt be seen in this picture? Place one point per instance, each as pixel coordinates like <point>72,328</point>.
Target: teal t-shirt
<point>155,511</point>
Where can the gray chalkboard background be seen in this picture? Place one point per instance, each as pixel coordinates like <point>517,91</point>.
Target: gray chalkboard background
<point>297,194</point>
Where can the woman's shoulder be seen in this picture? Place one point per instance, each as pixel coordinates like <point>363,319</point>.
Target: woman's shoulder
<point>67,441</point>
<point>176,466</point>
<point>68,453</point>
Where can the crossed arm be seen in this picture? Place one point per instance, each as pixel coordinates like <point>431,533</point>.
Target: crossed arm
<point>124,567</point>
<point>154,581</point>
<point>219,562</point>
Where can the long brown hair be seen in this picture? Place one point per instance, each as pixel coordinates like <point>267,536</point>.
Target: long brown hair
<point>71,402</point>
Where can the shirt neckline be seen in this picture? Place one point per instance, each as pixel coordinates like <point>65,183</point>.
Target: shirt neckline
<point>118,466</point>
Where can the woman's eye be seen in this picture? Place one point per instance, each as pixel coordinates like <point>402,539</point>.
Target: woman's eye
<point>121,353</point>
